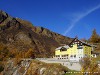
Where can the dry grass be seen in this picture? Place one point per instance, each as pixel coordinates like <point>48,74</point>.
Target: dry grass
<point>49,69</point>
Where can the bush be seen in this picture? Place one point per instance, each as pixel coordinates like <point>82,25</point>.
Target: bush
<point>1,68</point>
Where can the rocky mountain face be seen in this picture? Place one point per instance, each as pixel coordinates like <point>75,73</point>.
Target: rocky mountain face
<point>21,35</point>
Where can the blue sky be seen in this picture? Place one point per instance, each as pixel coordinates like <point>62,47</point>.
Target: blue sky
<point>66,17</point>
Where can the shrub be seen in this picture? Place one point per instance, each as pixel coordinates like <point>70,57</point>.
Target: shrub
<point>1,68</point>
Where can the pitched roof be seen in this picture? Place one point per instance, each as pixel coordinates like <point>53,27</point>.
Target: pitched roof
<point>65,46</point>
<point>84,43</point>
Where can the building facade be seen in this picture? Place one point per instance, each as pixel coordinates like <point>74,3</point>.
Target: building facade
<point>75,51</point>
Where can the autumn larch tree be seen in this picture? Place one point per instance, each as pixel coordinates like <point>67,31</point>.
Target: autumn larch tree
<point>95,37</point>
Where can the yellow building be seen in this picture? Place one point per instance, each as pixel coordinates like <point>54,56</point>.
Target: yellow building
<point>74,51</point>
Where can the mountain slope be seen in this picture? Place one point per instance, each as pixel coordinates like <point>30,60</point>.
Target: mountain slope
<point>21,35</point>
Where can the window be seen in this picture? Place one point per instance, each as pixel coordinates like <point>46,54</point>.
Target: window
<point>74,56</point>
<point>65,55</point>
<point>63,49</point>
<point>57,55</point>
<point>71,45</point>
<point>79,47</point>
<point>75,42</point>
<point>71,56</point>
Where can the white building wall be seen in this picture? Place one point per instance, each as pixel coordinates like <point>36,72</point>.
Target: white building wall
<point>79,55</point>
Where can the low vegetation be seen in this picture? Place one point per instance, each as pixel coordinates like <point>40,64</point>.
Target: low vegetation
<point>90,66</point>
<point>41,68</point>
<point>15,55</point>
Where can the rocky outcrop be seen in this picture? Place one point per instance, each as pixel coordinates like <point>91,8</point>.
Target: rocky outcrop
<point>21,35</point>
<point>40,68</point>
<point>34,67</point>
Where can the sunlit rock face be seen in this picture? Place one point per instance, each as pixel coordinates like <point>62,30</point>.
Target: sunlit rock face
<point>21,35</point>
